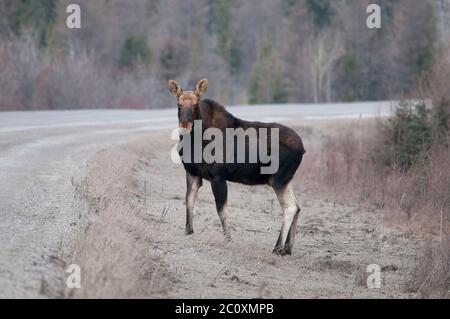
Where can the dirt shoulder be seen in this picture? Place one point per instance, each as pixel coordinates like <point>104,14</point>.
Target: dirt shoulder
<point>134,243</point>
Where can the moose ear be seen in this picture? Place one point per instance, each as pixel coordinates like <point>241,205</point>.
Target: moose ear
<point>175,88</point>
<point>201,87</point>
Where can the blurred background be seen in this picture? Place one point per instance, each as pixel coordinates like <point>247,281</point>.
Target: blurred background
<point>252,51</point>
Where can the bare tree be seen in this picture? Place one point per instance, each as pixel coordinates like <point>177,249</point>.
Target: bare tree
<point>325,51</point>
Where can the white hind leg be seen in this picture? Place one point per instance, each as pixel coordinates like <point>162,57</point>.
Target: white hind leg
<point>291,211</point>
<point>291,236</point>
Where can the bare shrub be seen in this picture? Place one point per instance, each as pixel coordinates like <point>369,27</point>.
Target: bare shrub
<point>431,278</point>
<point>73,79</point>
<point>346,165</point>
<point>19,65</point>
<point>342,160</point>
<point>73,82</point>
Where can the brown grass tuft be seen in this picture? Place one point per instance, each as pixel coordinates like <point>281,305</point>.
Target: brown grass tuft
<point>112,250</point>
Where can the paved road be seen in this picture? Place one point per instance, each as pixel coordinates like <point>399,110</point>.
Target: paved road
<point>42,156</point>
<point>155,119</point>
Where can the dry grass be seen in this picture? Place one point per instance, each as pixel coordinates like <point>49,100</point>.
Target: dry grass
<point>340,166</point>
<point>112,250</point>
<point>431,278</point>
<point>337,158</point>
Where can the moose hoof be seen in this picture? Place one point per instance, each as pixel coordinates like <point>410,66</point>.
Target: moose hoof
<point>282,251</point>
<point>279,251</point>
<point>227,237</point>
<point>288,251</point>
<point>189,232</point>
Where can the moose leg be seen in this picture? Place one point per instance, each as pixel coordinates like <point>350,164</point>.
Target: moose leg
<point>193,185</point>
<point>291,236</point>
<point>291,211</point>
<point>220,191</point>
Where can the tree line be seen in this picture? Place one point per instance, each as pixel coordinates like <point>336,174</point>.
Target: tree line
<point>252,51</point>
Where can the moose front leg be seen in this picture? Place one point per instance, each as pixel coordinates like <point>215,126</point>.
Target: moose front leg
<point>220,191</point>
<point>193,185</point>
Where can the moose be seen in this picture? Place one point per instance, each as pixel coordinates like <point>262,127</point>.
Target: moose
<point>192,109</point>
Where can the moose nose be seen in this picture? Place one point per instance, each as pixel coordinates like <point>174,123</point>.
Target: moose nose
<point>186,126</point>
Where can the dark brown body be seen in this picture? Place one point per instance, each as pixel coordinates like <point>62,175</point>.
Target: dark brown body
<point>291,151</point>
<point>213,115</point>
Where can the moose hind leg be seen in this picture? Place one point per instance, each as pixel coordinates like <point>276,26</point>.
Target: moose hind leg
<point>193,185</point>
<point>291,211</point>
<point>291,235</point>
<point>220,191</point>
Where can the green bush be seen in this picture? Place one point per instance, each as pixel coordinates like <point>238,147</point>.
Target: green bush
<point>410,133</point>
<point>266,79</point>
<point>287,6</point>
<point>39,16</point>
<point>134,50</point>
<point>322,11</point>
<point>221,17</point>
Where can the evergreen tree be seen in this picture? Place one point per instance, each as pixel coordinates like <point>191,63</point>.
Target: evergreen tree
<point>38,16</point>
<point>266,79</point>
<point>221,21</point>
<point>322,11</point>
<point>134,50</point>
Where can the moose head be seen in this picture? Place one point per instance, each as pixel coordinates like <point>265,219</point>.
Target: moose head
<point>188,102</point>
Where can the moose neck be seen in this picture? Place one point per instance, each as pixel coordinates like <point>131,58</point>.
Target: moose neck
<point>197,116</point>
<point>197,113</point>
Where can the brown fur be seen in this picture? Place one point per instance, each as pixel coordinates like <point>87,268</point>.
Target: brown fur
<point>214,115</point>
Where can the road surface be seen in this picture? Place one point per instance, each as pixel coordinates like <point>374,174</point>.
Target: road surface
<point>41,153</point>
